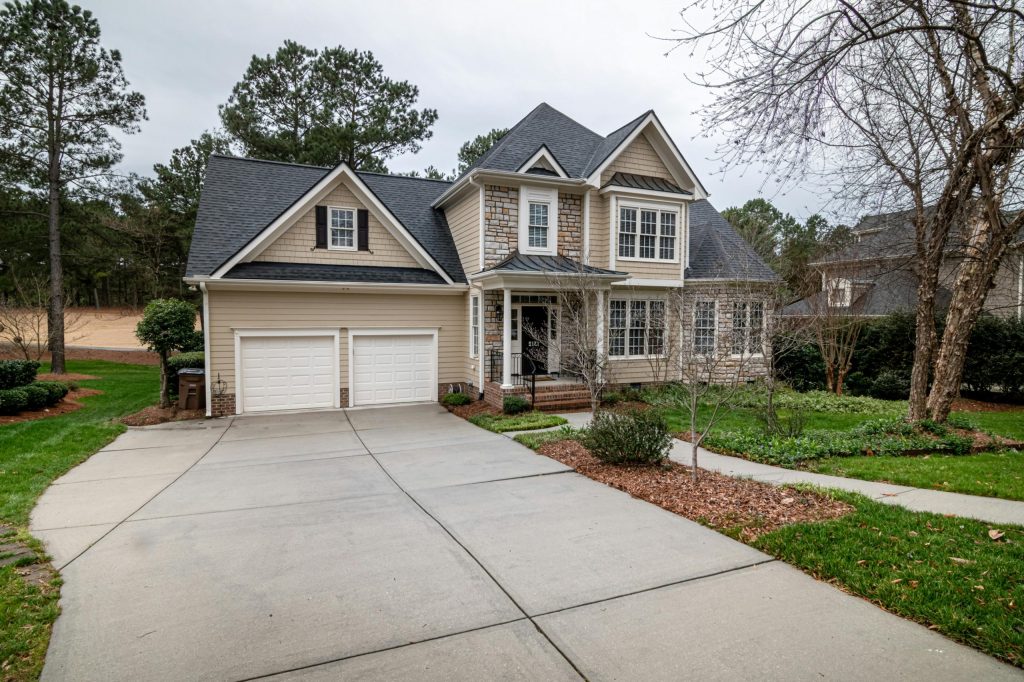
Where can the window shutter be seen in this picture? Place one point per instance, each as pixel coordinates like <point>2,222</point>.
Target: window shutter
<point>321,227</point>
<point>363,231</point>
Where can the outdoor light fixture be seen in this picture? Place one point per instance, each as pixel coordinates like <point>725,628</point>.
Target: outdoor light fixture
<point>219,386</point>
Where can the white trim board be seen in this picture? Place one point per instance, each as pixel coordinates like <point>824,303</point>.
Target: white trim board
<point>307,201</point>
<point>544,154</point>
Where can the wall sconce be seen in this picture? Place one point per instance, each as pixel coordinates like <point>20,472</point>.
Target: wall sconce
<point>219,386</point>
<point>499,312</point>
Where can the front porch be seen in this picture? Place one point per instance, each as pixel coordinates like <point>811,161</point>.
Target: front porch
<point>545,391</point>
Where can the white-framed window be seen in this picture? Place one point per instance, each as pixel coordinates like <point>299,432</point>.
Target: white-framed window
<point>538,220</point>
<point>747,327</point>
<point>341,224</point>
<point>537,229</point>
<point>515,324</point>
<point>704,327</point>
<point>839,292</point>
<point>474,325</point>
<point>648,232</point>
<point>636,327</point>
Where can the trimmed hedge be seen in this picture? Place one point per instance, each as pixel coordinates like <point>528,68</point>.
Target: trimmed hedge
<point>455,399</point>
<point>190,360</point>
<point>37,397</point>
<point>513,404</point>
<point>12,400</point>
<point>34,396</point>
<point>16,373</point>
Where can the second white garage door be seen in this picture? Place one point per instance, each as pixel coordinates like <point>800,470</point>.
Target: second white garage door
<point>393,368</point>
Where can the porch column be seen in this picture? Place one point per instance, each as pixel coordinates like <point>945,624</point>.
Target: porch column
<point>506,339</point>
<point>600,324</point>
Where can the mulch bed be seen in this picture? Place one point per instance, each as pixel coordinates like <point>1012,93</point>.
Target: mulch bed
<point>472,409</point>
<point>127,357</point>
<point>155,414</point>
<point>69,404</point>
<point>738,507</point>
<point>969,405</point>
<point>67,376</point>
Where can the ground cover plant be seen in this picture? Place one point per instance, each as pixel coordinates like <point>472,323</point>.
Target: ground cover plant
<point>524,421</point>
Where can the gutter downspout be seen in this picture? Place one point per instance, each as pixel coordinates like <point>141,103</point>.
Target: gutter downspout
<point>206,349</point>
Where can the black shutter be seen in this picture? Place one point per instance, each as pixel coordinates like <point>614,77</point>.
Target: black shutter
<point>321,227</point>
<point>363,233</point>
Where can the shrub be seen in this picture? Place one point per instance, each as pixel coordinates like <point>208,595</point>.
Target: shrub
<point>513,404</point>
<point>167,325</point>
<point>12,400</point>
<point>628,437</point>
<point>611,398</point>
<point>36,397</point>
<point>890,385</point>
<point>961,421</point>
<point>55,390</point>
<point>15,373</point>
<point>454,399</point>
<point>181,361</point>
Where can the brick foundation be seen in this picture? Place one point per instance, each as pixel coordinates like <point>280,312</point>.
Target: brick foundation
<point>222,405</point>
<point>551,397</point>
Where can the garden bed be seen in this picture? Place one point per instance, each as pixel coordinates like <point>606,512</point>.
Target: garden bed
<point>154,414</point>
<point>70,403</point>
<point>740,508</point>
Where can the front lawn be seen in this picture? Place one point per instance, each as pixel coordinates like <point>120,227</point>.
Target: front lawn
<point>948,573</point>
<point>527,421</point>
<point>32,455</point>
<point>991,474</point>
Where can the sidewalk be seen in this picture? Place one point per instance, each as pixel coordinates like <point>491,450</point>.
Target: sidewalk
<point>991,509</point>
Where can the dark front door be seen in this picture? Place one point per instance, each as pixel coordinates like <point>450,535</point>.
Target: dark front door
<point>535,339</point>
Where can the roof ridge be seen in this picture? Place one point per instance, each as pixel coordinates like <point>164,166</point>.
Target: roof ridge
<point>505,138</point>
<point>633,122</point>
<point>235,157</point>
<point>403,176</point>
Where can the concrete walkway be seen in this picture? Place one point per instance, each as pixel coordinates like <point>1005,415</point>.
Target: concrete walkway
<point>991,509</point>
<point>405,543</point>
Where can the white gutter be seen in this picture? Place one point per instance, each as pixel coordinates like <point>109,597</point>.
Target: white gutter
<point>206,349</point>
<point>342,287</point>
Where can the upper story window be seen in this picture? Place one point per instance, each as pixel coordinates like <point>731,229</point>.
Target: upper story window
<point>839,292</point>
<point>704,323</point>
<point>538,220</point>
<point>342,223</point>
<point>538,227</point>
<point>647,233</point>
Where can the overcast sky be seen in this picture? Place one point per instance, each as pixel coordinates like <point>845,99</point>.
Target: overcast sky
<point>480,65</point>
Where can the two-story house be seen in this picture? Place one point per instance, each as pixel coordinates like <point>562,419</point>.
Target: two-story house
<point>332,287</point>
<point>874,274</point>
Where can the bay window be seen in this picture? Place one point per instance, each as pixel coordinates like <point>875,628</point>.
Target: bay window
<point>704,319</point>
<point>747,327</point>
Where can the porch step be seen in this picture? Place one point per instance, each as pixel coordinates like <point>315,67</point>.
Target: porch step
<point>550,397</point>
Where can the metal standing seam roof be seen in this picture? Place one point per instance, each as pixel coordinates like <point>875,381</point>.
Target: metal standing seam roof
<point>518,262</point>
<point>633,181</point>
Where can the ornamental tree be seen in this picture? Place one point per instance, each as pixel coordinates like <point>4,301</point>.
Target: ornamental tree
<point>167,325</point>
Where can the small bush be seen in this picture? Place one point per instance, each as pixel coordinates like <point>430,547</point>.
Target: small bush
<point>12,400</point>
<point>16,373</point>
<point>195,359</point>
<point>36,397</point>
<point>961,421</point>
<point>629,437</point>
<point>454,399</point>
<point>56,390</point>
<point>611,398</point>
<point>890,385</point>
<point>513,404</point>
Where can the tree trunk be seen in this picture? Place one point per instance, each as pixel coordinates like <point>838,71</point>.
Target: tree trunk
<point>55,311</point>
<point>694,441</point>
<point>924,347</point>
<point>165,398</point>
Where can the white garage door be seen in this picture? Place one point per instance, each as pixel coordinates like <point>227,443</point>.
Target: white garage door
<point>287,372</point>
<point>393,369</point>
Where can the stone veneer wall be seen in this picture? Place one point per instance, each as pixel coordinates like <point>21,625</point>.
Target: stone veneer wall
<point>570,226</point>
<point>501,223</point>
<point>492,330</point>
<point>724,295</point>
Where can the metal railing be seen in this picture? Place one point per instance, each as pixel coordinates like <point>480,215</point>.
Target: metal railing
<point>518,378</point>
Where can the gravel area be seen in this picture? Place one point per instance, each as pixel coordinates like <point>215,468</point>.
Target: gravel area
<point>741,508</point>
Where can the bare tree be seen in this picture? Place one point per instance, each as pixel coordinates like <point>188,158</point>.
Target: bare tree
<point>835,320</point>
<point>24,317</point>
<point>907,104</point>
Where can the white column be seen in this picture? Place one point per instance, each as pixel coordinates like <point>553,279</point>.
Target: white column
<point>600,324</point>
<point>506,339</point>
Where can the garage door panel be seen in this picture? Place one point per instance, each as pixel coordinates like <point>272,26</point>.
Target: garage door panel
<point>393,369</point>
<point>287,373</point>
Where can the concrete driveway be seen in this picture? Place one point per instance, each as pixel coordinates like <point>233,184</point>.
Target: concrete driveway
<point>405,543</point>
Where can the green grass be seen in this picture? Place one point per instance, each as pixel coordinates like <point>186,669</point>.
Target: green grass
<point>991,474</point>
<point>944,572</point>
<point>1009,424</point>
<point>528,421</point>
<point>32,455</point>
<point>539,438</point>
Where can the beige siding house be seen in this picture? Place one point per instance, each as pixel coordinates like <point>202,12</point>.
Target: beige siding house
<point>330,287</point>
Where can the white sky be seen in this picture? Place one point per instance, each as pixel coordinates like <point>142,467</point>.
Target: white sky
<point>480,65</point>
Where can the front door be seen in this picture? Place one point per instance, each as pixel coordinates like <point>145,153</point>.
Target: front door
<point>534,333</point>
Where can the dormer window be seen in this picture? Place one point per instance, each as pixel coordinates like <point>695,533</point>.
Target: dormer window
<point>343,228</point>
<point>538,221</point>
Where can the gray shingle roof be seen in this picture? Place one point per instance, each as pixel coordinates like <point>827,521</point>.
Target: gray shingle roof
<point>518,262</point>
<point>891,292</point>
<point>646,182</point>
<point>242,196</point>
<point>718,252</point>
<point>316,272</point>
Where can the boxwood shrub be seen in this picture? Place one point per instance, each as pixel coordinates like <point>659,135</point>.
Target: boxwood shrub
<point>36,397</point>
<point>513,404</point>
<point>456,399</point>
<point>15,373</point>
<point>12,400</point>
<point>56,390</point>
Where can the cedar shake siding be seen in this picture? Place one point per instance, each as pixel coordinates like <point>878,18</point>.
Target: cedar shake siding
<point>298,243</point>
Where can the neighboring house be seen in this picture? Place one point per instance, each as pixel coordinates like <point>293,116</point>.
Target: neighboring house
<point>874,275</point>
<point>329,287</point>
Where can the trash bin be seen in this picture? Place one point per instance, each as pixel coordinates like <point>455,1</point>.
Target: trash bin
<point>191,388</point>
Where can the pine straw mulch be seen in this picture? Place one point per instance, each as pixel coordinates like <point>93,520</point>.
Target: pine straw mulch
<point>154,414</point>
<point>740,508</point>
<point>68,404</point>
<point>66,377</point>
<point>970,405</point>
<point>472,409</point>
